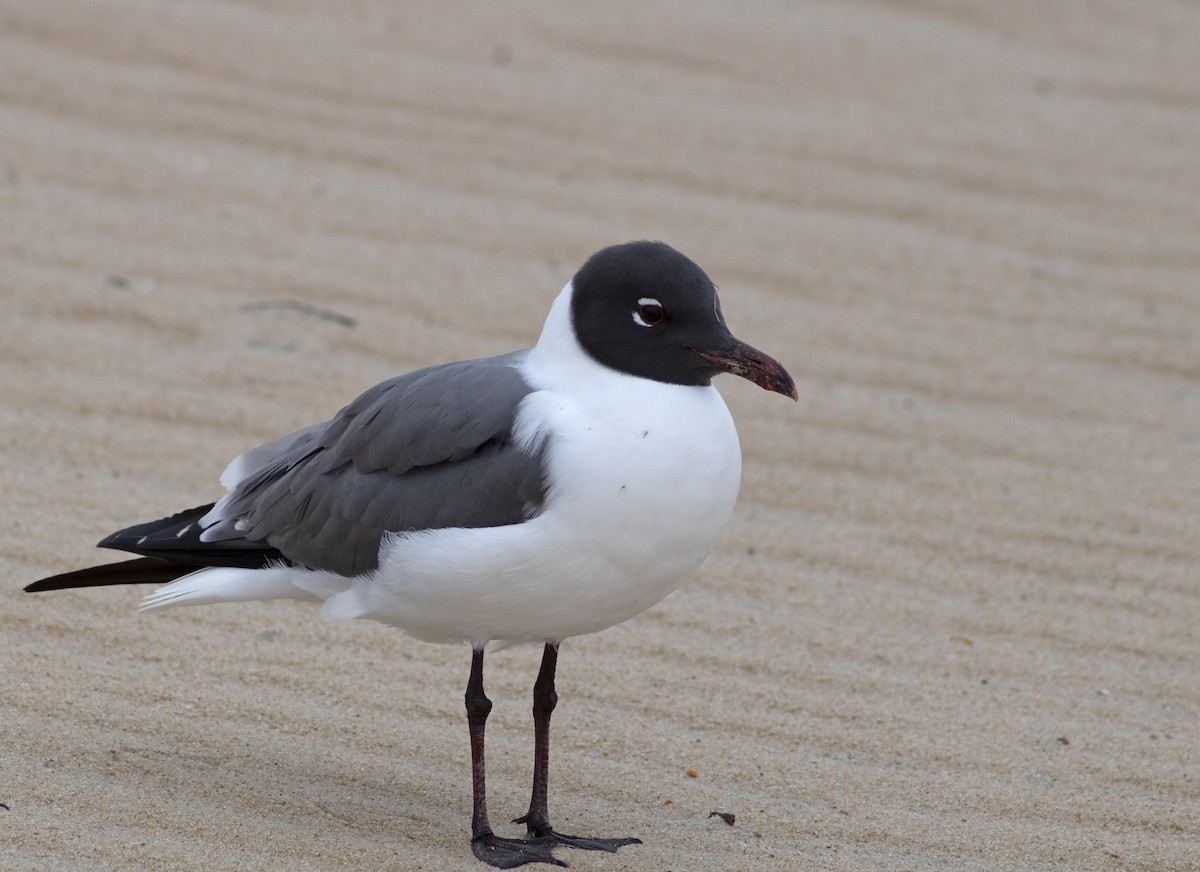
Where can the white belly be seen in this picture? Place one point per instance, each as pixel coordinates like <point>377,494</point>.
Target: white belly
<point>638,495</point>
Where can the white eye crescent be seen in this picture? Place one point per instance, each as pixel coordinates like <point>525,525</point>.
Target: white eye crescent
<point>649,313</point>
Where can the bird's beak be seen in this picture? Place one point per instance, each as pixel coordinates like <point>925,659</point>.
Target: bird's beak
<point>748,362</point>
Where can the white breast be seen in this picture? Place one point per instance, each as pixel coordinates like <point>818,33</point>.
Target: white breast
<point>643,477</point>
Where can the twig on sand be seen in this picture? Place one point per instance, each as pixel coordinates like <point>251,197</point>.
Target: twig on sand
<point>304,309</point>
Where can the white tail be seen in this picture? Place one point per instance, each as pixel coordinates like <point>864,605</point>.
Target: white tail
<point>225,585</point>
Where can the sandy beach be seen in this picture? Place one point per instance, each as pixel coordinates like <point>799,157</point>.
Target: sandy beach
<point>955,621</point>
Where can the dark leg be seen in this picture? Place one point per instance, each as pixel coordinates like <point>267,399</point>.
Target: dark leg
<point>488,847</point>
<point>537,820</point>
<point>544,700</point>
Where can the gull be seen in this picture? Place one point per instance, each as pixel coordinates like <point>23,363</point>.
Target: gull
<point>519,499</point>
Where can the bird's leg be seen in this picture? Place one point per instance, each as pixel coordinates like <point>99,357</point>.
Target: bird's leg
<point>478,709</point>
<point>537,820</point>
<point>488,847</point>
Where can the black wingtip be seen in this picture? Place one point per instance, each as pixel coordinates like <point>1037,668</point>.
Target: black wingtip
<point>143,570</point>
<point>163,534</point>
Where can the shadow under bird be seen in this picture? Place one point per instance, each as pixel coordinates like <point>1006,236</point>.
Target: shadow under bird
<point>525,498</point>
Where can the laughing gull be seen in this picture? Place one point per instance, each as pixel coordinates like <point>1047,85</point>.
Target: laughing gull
<point>520,499</point>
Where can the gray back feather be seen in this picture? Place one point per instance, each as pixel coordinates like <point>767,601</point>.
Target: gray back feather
<point>426,450</point>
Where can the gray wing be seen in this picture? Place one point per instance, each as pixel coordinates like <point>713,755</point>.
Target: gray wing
<point>426,450</point>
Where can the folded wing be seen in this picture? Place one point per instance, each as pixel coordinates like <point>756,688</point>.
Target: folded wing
<point>430,449</point>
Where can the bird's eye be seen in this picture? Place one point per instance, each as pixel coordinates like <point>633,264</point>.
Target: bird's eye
<point>649,313</point>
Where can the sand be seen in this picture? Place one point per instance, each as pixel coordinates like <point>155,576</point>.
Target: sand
<point>954,622</point>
